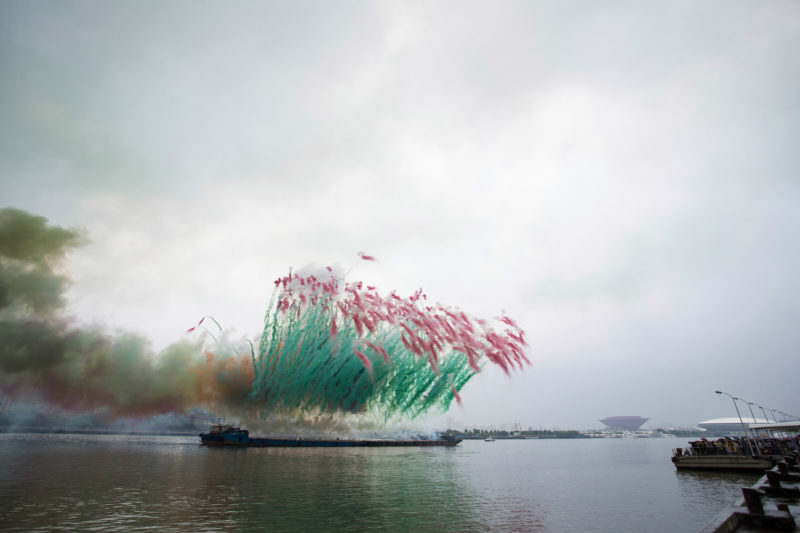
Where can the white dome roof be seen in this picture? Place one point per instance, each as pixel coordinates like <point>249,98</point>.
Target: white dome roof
<point>733,420</point>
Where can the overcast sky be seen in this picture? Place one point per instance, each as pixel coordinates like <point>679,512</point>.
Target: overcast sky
<point>620,177</point>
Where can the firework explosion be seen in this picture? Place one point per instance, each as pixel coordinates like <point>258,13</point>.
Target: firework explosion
<point>330,346</point>
<point>330,350</point>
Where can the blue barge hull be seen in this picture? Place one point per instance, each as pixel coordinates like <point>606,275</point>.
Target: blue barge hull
<point>224,435</point>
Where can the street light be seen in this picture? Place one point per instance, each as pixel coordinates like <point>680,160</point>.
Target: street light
<point>751,410</point>
<point>765,414</point>
<point>749,404</point>
<point>746,435</point>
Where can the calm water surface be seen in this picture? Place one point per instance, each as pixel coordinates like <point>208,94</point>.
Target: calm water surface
<point>113,483</point>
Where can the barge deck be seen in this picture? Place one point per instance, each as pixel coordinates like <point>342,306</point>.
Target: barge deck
<point>226,435</point>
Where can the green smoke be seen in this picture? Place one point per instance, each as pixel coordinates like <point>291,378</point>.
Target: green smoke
<point>45,357</point>
<point>30,253</point>
<point>301,368</point>
<point>32,333</point>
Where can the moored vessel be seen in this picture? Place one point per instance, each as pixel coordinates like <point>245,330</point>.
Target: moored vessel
<point>228,435</point>
<point>733,453</point>
<point>747,463</point>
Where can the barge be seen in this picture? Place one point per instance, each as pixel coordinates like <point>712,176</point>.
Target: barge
<point>737,454</point>
<point>228,435</point>
<point>729,463</point>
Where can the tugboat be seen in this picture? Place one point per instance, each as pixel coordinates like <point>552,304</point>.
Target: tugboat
<point>217,433</point>
<point>228,435</point>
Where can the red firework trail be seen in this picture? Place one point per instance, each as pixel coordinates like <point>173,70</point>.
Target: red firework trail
<point>195,326</point>
<point>429,331</point>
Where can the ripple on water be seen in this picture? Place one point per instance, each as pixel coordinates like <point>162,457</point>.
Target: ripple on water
<point>112,483</point>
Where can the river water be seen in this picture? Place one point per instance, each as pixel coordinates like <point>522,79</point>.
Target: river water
<point>113,483</point>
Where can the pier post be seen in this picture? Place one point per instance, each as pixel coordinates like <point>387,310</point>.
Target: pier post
<point>774,479</point>
<point>752,498</point>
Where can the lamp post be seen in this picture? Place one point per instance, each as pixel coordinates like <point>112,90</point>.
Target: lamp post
<point>765,415</point>
<point>749,406</point>
<point>746,435</point>
<point>751,410</point>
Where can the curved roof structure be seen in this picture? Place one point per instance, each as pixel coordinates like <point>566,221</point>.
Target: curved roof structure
<point>627,423</point>
<point>730,424</point>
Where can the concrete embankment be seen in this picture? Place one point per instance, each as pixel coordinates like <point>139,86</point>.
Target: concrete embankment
<point>770,505</point>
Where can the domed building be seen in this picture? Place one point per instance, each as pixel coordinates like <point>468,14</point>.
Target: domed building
<point>729,425</point>
<point>624,423</point>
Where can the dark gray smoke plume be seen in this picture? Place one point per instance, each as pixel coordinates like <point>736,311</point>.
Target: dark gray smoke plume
<point>30,254</point>
<point>44,356</point>
<point>32,334</point>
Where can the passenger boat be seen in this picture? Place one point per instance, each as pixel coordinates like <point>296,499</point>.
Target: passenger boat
<point>737,463</point>
<point>228,435</point>
<point>730,453</point>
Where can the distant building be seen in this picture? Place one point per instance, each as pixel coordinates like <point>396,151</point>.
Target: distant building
<point>624,423</point>
<point>730,425</point>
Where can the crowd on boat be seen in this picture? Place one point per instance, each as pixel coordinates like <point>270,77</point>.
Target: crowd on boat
<point>742,446</point>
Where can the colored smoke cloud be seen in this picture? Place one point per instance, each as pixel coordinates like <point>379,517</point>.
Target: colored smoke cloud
<point>46,357</point>
<point>330,350</point>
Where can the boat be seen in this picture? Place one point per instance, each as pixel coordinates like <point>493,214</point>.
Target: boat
<point>734,463</point>
<point>729,454</point>
<point>228,435</point>
<point>489,439</point>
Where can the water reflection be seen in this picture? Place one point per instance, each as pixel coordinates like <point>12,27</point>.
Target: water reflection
<point>104,484</point>
<point>697,487</point>
<point>111,483</point>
